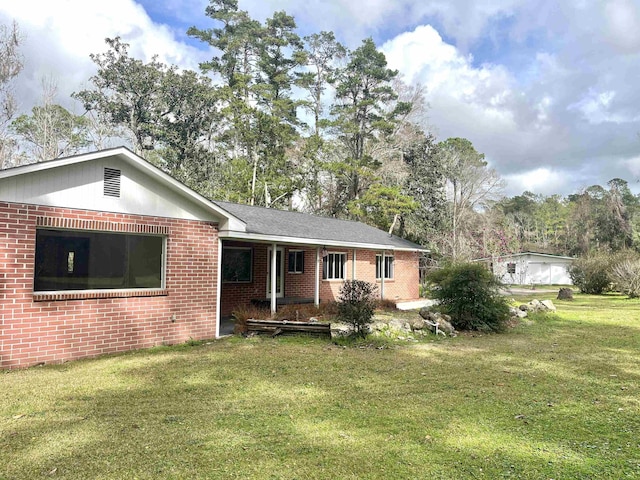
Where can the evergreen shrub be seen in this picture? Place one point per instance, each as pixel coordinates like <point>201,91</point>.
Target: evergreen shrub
<point>470,295</point>
<point>356,304</point>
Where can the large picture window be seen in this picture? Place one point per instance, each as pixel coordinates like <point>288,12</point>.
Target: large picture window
<point>237,264</point>
<point>388,266</point>
<point>333,266</point>
<point>80,260</point>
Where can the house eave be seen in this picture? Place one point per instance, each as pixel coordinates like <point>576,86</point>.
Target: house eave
<point>523,254</point>
<point>317,242</point>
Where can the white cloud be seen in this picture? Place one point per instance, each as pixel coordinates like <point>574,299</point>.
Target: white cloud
<point>632,165</point>
<point>554,88</point>
<point>540,180</point>
<point>622,20</point>
<point>452,82</point>
<point>59,36</point>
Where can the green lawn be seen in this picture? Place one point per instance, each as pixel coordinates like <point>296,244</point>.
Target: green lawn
<point>556,399</point>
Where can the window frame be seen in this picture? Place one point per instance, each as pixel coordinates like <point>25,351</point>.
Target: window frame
<point>298,267</point>
<point>222,264</point>
<point>389,266</point>
<point>325,266</point>
<point>71,260</point>
<point>511,268</point>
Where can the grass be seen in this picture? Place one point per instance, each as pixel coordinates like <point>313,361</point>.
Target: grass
<point>555,399</point>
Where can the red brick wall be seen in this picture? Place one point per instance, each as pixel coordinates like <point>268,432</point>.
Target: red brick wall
<point>235,295</point>
<point>403,286</point>
<point>405,282</point>
<point>37,329</point>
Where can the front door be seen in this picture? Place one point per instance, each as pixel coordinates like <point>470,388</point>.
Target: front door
<point>279,275</point>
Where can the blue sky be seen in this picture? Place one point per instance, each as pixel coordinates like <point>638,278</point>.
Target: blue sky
<point>546,89</point>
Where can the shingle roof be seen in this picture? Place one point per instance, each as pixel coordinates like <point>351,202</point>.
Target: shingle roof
<point>280,223</point>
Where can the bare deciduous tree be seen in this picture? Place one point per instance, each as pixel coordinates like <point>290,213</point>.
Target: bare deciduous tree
<point>10,67</point>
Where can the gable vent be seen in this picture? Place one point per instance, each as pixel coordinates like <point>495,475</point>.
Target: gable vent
<point>111,182</point>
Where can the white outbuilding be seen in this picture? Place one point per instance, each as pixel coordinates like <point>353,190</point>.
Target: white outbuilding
<point>530,268</point>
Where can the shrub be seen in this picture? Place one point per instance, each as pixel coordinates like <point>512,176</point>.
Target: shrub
<point>626,277</point>
<point>591,273</point>
<point>242,314</point>
<point>356,304</point>
<point>469,293</point>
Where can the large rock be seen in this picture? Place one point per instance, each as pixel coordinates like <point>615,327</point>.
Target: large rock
<point>446,327</point>
<point>400,325</point>
<point>394,329</point>
<point>548,305</point>
<point>418,324</point>
<point>565,294</point>
<point>339,330</point>
<point>440,323</point>
<point>535,305</point>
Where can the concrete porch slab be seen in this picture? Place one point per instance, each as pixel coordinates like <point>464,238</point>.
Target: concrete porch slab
<point>415,304</point>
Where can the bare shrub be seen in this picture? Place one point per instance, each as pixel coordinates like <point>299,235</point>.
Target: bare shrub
<point>626,277</point>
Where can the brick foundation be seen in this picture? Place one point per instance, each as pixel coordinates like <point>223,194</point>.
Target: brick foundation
<point>50,328</point>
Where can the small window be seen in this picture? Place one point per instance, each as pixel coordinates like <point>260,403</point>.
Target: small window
<point>296,261</point>
<point>511,268</point>
<point>333,266</point>
<point>388,266</point>
<point>237,264</point>
<point>80,260</point>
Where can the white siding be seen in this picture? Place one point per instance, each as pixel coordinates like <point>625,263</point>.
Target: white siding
<point>80,185</point>
<point>533,269</point>
<point>538,273</point>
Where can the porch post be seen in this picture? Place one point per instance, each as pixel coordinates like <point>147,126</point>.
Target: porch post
<point>218,286</point>
<point>382,277</point>
<point>316,291</point>
<point>274,266</point>
<point>353,266</point>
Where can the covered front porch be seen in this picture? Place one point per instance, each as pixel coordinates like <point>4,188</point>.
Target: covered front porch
<point>276,257</point>
<point>302,274</point>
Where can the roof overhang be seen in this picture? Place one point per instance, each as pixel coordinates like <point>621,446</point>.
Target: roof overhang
<point>262,238</point>
<point>524,254</point>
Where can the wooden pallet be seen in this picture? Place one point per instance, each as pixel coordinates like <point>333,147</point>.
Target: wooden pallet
<point>278,327</point>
